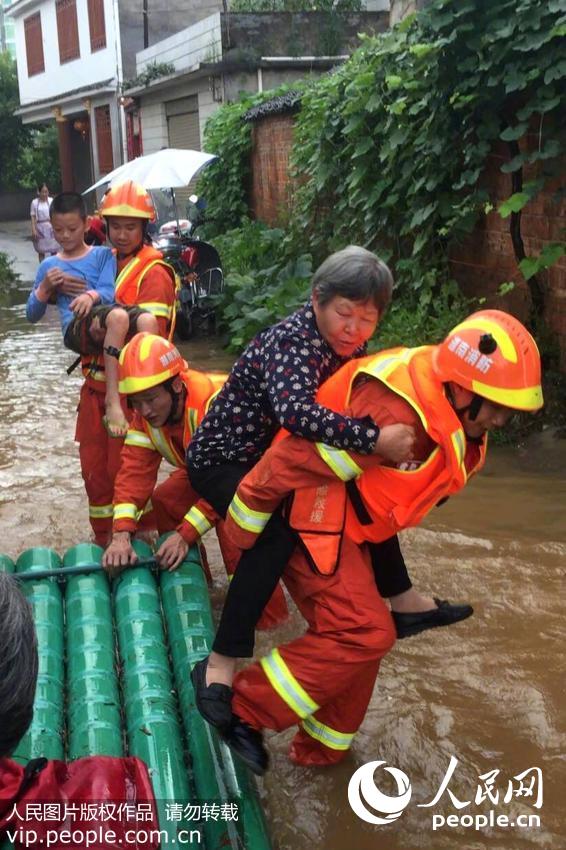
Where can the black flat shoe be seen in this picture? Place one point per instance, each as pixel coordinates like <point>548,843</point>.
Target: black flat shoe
<point>213,701</point>
<point>247,743</point>
<point>445,614</point>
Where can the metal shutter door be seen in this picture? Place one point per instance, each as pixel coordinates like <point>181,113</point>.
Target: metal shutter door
<point>184,132</point>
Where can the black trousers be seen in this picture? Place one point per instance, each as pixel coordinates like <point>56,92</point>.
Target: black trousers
<point>261,567</point>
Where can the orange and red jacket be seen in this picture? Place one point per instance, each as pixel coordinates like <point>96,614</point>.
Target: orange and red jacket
<point>358,495</point>
<point>144,449</point>
<point>150,283</point>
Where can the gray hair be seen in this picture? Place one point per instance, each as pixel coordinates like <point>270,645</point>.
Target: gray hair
<point>18,664</point>
<point>354,273</point>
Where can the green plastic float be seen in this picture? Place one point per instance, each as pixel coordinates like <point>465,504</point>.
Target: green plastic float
<point>117,655</point>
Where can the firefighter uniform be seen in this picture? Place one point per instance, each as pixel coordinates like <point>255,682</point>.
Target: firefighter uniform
<point>149,361</point>
<point>147,282</point>
<point>324,679</point>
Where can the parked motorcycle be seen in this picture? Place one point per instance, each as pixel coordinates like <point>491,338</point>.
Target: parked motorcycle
<point>198,265</point>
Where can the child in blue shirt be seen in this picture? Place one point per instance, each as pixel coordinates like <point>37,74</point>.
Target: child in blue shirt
<point>80,279</point>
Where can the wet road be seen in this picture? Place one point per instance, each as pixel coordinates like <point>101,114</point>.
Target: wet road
<point>489,691</point>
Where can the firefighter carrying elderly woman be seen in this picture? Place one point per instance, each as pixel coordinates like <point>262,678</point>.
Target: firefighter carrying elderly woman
<point>452,394</point>
<point>273,385</point>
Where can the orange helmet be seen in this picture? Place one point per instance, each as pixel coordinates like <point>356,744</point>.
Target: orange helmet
<point>147,361</point>
<point>128,199</point>
<point>492,354</point>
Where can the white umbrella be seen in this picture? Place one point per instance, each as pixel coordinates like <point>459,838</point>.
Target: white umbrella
<point>166,168</point>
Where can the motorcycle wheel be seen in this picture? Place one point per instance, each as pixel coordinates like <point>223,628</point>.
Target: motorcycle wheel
<point>184,324</point>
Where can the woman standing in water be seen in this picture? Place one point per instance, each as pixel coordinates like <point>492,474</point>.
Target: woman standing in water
<point>41,231</point>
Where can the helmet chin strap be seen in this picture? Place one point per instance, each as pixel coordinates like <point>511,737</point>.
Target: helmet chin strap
<point>472,409</point>
<point>176,400</point>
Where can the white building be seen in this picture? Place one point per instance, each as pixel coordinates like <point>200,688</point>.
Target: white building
<point>73,57</point>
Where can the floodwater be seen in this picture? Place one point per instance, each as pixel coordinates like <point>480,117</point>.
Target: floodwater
<point>489,692</point>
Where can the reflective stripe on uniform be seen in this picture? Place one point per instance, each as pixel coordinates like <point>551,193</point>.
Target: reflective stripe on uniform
<point>158,308</point>
<point>339,462</point>
<point>100,511</point>
<point>163,446</point>
<point>284,683</point>
<point>246,518</point>
<point>126,510</point>
<point>192,420</point>
<point>198,520</point>
<point>331,738</point>
<point>140,439</point>
<point>459,443</point>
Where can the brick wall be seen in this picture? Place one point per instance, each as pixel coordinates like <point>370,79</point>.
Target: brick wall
<point>482,262</point>
<point>271,186</point>
<point>486,259</point>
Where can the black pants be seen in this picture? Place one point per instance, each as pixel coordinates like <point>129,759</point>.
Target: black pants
<point>261,567</point>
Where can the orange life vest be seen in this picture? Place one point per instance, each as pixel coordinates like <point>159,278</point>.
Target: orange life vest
<point>202,388</point>
<point>383,500</point>
<point>129,280</point>
<point>126,292</point>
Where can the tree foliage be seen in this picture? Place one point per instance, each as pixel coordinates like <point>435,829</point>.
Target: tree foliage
<point>13,135</point>
<point>29,155</point>
<point>336,6</point>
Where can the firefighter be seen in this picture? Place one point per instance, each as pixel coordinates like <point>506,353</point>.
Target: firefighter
<point>452,394</point>
<point>168,401</point>
<point>146,281</point>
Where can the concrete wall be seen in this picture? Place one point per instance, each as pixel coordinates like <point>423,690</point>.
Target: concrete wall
<point>297,33</point>
<point>401,8</point>
<point>88,69</point>
<point>201,42</point>
<point>14,206</point>
<point>166,17</point>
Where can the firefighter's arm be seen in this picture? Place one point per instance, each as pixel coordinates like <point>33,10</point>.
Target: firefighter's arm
<point>157,295</point>
<point>288,465</point>
<point>295,463</point>
<point>136,479</point>
<point>198,520</point>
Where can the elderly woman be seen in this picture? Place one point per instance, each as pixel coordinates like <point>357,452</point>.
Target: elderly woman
<point>18,664</point>
<point>44,241</point>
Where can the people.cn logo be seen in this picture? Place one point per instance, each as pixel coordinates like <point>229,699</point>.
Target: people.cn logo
<point>364,795</point>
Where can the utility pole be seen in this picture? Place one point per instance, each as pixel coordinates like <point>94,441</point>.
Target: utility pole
<point>145,15</point>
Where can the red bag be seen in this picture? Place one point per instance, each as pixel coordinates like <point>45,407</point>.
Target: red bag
<point>105,802</point>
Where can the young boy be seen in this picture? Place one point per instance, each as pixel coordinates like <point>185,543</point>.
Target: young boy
<point>80,278</point>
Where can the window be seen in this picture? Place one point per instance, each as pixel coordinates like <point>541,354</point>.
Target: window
<point>96,25</point>
<point>103,139</point>
<point>34,44</point>
<point>67,30</point>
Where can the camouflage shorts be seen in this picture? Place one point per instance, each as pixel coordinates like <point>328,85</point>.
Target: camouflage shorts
<point>78,337</point>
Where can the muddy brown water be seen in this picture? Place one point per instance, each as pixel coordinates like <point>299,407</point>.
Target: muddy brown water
<point>489,691</point>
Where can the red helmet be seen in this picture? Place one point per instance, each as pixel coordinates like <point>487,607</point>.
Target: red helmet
<point>127,199</point>
<point>147,361</point>
<point>492,354</point>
